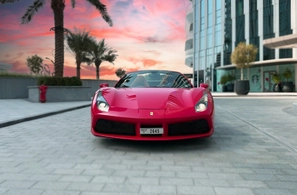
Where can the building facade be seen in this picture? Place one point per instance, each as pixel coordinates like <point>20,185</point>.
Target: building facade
<point>215,27</point>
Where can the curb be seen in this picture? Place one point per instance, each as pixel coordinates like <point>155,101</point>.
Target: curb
<point>13,122</point>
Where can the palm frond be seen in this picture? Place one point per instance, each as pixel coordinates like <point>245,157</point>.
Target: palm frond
<point>73,3</point>
<point>102,9</point>
<point>79,43</point>
<point>110,56</point>
<point>31,11</point>
<point>87,60</point>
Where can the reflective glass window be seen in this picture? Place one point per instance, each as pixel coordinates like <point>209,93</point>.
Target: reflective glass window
<point>209,41</point>
<point>268,23</point>
<point>202,8</point>
<point>285,25</point>
<point>209,20</point>
<point>285,17</point>
<point>227,33</point>
<point>253,24</point>
<point>209,7</point>
<point>218,4</point>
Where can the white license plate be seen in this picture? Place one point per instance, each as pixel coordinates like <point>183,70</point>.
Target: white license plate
<point>151,130</point>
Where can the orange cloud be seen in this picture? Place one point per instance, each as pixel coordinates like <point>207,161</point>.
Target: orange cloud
<point>150,62</point>
<point>146,62</point>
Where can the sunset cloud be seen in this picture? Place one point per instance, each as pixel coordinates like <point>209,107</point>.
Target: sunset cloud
<point>147,34</point>
<point>144,61</point>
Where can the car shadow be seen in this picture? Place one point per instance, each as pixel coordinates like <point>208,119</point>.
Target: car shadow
<point>290,110</point>
<point>155,146</point>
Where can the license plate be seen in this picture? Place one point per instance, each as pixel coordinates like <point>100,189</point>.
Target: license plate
<point>151,131</point>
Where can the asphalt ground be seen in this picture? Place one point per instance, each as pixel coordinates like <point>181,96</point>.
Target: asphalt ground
<point>253,151</point>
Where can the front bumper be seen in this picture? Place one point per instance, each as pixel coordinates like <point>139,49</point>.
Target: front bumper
<point>176,126</point>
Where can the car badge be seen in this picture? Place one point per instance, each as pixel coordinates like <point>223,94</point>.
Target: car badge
<point>151,113</point>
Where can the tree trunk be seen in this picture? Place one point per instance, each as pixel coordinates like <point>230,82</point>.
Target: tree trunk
<point>241,74</point>
<point>78,68</point>
<point>58,9</point>
<point>97,72</point>
<point>97,64</point>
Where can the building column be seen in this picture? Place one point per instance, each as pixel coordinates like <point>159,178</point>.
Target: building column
<point>276,23</point>
<point>196,24</point>
<point>233,17</point>
<point>246,8</point>
<point>260,29</point>
<point>294,28</point>
<point>294,22</point>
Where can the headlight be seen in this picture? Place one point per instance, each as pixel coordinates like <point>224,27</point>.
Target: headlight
<point>202,103</point>
<point>102,104</point>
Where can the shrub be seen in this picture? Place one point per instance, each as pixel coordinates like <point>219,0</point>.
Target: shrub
<point>59,81</point>
<point>224,79</point>
<point>276,78</point>
<point>12,74</point>
<point>230,77</point>
<point>288,74</point>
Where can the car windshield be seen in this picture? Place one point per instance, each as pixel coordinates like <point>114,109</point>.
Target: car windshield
<point>154,79</point>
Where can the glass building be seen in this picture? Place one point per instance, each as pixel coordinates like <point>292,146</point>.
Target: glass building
<point>215,27</point>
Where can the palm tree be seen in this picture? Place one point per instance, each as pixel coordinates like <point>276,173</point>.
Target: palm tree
<point>58,9</point>
<point>79,43</point>
<point>99,52</point>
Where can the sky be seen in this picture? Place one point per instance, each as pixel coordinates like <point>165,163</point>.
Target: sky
<point>147,34</point>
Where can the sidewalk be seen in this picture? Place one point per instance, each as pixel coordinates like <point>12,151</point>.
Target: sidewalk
<point>256,94</point>
<point>14,111</point>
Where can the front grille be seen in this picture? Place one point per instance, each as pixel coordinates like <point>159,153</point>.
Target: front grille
<point>188,128</point>
<point>112,127</point>
<point>150,126</point>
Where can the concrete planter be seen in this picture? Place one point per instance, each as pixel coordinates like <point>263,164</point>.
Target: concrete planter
<point>61,93</point>
<point>17,87</point>
<point>287,86</point>
<point>242,87</point>
<point>230,87</point>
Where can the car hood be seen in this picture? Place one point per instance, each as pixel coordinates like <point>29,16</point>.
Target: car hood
<point>152,98</point>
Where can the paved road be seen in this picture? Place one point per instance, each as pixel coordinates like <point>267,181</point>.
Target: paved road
<point>253,151</point>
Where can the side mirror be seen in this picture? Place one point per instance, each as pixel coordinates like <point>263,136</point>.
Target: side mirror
<point>204,85</point>
<point>103,85</point>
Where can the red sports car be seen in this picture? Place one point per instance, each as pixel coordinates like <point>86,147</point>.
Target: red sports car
<point>152,105</point>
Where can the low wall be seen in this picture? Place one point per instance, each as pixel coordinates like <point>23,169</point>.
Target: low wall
<point>61,93</point>
<point>17,87</point>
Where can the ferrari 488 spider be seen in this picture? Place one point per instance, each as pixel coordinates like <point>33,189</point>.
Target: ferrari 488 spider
<point>152,105</point>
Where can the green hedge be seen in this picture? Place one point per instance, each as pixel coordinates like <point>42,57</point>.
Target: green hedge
<point>59,81</point>
<point>11,74</point>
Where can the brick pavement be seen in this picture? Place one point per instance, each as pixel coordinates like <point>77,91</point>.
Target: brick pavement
<point>13,111</point>
<point>253,151</point>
